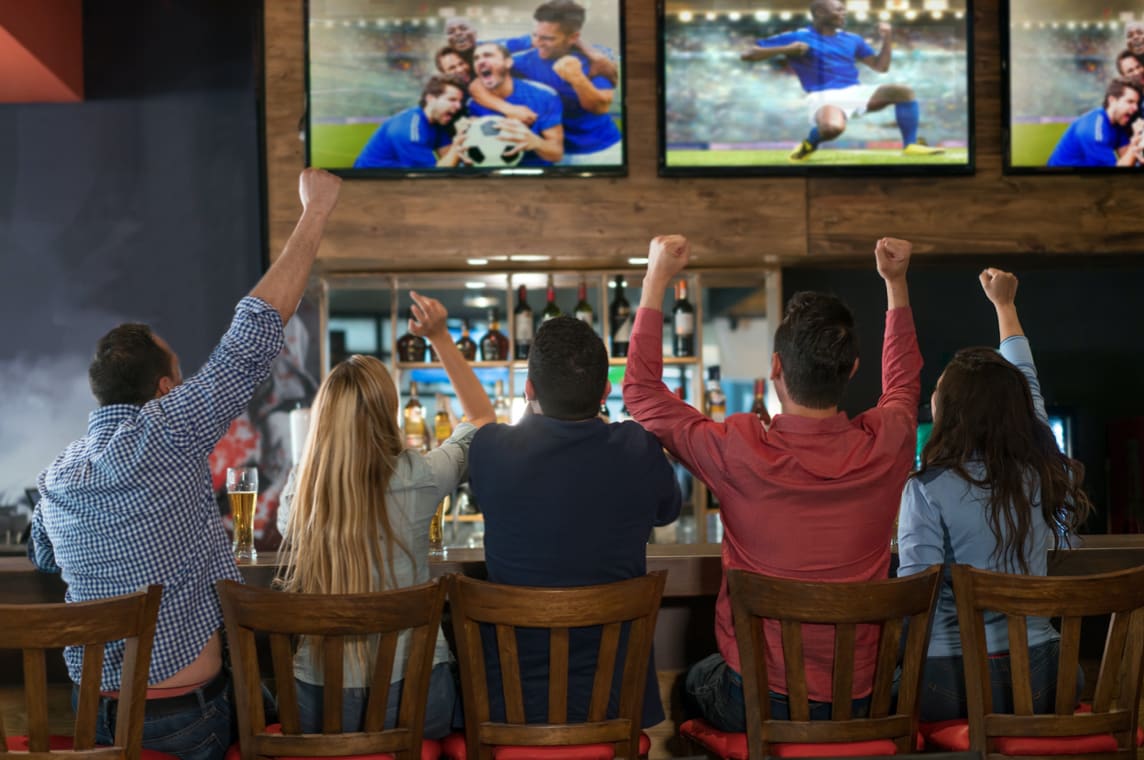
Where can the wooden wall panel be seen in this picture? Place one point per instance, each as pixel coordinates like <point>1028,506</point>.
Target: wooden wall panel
<point>594,223</point>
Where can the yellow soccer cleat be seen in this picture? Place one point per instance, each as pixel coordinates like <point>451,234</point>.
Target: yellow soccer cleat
<point>917,149</point>
<point>804,149</point>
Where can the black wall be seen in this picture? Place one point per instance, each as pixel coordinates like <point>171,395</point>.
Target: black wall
<point>1082,316</point>
<point>141,203</point>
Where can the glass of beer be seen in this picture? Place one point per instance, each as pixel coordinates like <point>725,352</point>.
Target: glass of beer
<point>242,490</point>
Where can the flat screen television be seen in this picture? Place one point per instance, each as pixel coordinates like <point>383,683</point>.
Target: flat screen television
<point>1066,104</point>
<point>1060,423</point>
<point>400,88</point>
<point>768,87</point>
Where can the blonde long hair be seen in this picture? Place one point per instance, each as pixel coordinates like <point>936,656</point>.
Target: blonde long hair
<point>339,536</point>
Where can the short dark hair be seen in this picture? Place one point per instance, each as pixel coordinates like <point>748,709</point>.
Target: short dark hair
<point>1117,87</point>
<point>1125,53</point>
<point>817,345</point>
<point>437,84</point>
<point>442,52</point>
<point>128,365</point>
<point>568,14</point>
<point>568,367</point>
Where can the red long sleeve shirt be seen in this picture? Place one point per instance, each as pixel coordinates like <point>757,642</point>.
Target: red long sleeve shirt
<point>808,499</point>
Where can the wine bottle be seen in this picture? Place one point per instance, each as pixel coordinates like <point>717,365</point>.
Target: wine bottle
<point>715,402</point>
<point>501,408</point>
<point>683,322</point>
<point>494,346</point>
<point>605,415</point>
<point>621,315</point>
<point>465,344</point>
<point>410,347</point>
<point>759,407</point>
<point>442,425</point>
<point>522,324</point>
<point>583,310</point>
<point>414,417</point>
<point>550,308</point>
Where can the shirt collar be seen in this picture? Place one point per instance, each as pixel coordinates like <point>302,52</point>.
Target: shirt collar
<point>793,423</point>
<point>111,416</point>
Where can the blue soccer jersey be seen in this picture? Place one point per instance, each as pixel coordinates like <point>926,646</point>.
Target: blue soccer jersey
<point>584,132</point>
<point>829,63</point>
<point>1091,140</point>
<point>403,141</point>
<point>543,101</point>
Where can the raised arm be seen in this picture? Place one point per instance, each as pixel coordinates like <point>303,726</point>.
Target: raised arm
<point>592,99</point>
<point>599,64</point>
<point>881,61</point>
<point>1001,289</point>
<point>283,284</point>
<point>761,53</point>
<point>901,358</point>
<point>429,322</point>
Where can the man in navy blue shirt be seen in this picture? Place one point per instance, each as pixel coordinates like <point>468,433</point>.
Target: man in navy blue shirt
<point>543,144</point>
<point>419,137</point>
<point>825,57</point>
<point>1102,137</point>
<point>568,500</point>
<point>556,59</point>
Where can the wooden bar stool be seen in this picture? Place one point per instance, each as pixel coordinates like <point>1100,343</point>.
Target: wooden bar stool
<point>630,605</point>
<point>1109,727</point>
<point>284,618</point>
<point>35,628</point>
<point>889,728</point>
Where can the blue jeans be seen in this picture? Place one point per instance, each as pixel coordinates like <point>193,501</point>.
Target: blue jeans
<point>943,684</point>
<point>194,726</point>
<point>714,691</point>
<point>438,714</point>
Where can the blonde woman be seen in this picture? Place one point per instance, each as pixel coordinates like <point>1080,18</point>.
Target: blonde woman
<point>359,506</point>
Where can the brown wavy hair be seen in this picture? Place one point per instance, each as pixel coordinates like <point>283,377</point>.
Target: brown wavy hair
<point>983,411</point>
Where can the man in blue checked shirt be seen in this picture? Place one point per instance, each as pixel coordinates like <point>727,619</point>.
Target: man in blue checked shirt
<point>130,504</point>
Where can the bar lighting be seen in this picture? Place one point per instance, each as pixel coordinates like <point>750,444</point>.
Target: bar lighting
<point>478,262</point>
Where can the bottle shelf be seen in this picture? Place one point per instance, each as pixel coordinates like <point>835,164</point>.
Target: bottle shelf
<point>667,361</point>
<point>439,365</point>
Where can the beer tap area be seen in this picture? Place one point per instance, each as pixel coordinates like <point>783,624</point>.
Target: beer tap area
<point>717,348</point>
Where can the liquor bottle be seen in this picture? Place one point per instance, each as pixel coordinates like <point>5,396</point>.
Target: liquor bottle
<point>621,314</point>
<point>683,322</point>
<point>414,415</point>
<point>501,407</point>
<point>465,344</point>
<point>605,415</point>
<point>522,324</point>
<point>759,407</point>
<point>494,346</point>
<point>583,310</point>
<point>410,347</point>
<point>442,425</point>
<point>715,402</point>
<point>550,308</point>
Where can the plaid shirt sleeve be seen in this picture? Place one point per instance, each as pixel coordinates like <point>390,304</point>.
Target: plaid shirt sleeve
<point>40,550</point>
<point>198,412</point>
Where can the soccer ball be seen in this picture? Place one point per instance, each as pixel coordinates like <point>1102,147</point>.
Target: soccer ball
<point>484,148</point>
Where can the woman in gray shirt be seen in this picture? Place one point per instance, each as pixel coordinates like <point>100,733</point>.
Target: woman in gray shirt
<point>359,506</point>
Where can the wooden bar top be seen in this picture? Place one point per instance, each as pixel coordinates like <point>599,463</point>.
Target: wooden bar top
<point>693,570</point>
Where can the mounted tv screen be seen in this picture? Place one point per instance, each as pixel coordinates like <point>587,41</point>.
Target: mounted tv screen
<point>1073,86</point>
<point>403,88</point>
<point>815,86</point>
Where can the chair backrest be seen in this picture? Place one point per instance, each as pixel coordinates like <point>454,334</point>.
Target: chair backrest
<point>1116,702</point>
<point>256,616</point>
<point>627,606</point>
<point>845,606</point>
<point>36,628</point>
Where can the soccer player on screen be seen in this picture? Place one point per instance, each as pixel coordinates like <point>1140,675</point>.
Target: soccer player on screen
<point>590,134</point>
<point>824,57</point>
<point>1103,136</point>
<point>422,136</point>
<point>543,144</point>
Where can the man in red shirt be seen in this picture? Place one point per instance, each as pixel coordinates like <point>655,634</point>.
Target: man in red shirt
<point>811,472</point>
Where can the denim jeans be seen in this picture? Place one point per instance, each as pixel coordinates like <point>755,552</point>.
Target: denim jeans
<point>943,684</point>
<point>201,732</point>
<point>438,714</point>
<point>714,691</point>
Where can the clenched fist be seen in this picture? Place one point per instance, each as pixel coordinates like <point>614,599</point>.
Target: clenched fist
<point>568,68</point>
<point>1000,287</point>
<point>893,257</point>
<point>667,256</point>
<point>318,190</point>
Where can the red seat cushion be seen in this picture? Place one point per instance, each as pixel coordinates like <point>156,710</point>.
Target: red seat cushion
<point>953,736</point>
<point>56,743</point>
<point>734,746</point>
<point>430,750</point>
<point>453,748</point>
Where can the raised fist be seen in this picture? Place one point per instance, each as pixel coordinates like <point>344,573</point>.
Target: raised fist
<point>885,30</point>
<point>667,255</point>
<point>893,257</point>
<point>318,189</point>
<point>568,68</point>
<point>1000,286</point>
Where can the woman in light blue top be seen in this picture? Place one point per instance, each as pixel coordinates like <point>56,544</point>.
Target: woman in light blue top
<point>359,508</point>
<point>994,492</point>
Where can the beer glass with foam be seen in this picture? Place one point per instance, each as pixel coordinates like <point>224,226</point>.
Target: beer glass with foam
<point>242,491</point>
